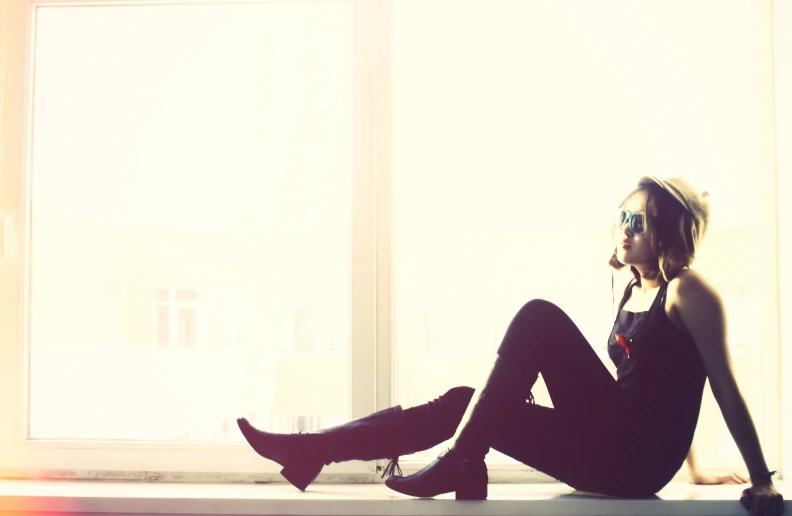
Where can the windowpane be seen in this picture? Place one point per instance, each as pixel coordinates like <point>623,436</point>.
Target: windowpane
<point>163,326</point>
<point>187,329</point>
<point>509,159</point>
<point>186,295</point>
<point>198,158</point>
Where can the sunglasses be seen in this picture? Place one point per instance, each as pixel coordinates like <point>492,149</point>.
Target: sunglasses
<point>637,220</point>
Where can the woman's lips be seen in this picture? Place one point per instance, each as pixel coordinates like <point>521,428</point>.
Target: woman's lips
<point>625,245</point>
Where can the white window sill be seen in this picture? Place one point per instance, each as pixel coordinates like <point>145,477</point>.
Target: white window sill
<point>31,497</point>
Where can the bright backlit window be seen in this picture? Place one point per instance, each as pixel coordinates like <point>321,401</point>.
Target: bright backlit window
<point>196,159</point>
<point>303,211</point>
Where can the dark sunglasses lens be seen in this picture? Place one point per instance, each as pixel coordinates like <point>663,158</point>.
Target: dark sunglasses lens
<point>638,224</point>
<point>620,219</point>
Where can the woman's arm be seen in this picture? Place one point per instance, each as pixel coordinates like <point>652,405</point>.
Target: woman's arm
<point>701,311</point>
<point>698,476</point>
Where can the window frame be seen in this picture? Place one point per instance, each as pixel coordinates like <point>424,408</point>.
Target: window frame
<point>769,266</point>
<point>67,458</point>
<point>371,263</point>
<point>780,18</point>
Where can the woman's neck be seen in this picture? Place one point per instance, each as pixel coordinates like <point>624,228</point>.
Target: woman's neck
<point>648,279</point>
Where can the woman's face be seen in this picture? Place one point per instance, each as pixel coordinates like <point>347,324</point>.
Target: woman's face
<point>632,249</point>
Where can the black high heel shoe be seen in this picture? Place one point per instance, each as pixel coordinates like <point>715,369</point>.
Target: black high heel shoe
<point>449,472</point>
<point>297,453</point>
<point>461,468</point>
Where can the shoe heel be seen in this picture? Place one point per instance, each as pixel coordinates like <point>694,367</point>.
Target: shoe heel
<point>472,493</point>
<point>472,489</point>
<point>301,477</point>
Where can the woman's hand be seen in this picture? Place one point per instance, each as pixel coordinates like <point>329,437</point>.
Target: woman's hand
<point>709,478</point>
<point>763,499</point>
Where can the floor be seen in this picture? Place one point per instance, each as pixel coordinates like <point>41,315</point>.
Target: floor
<point>141,498</point>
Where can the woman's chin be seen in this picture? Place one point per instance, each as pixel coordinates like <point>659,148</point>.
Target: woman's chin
<point>621,255</point>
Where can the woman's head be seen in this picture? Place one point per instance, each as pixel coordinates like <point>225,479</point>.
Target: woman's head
<point>676,219</point>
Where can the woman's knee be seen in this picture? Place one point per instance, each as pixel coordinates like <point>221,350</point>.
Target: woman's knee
<point>540,309</point>
<point>458,398</point>
<point>436,421</point>
<point>449,406</point>
<point>535,324</point>
<point>539,316</point>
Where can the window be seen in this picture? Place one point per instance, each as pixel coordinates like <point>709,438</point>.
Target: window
<point>177,319</point>
<point>211,194</point>
<point>521,213</point>
<point>302,212</point>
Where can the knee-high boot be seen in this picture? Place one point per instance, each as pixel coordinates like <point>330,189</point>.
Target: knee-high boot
<point>386,434</point>
<point>461,468</point>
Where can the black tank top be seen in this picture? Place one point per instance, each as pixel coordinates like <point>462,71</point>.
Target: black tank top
<point>662,377</point>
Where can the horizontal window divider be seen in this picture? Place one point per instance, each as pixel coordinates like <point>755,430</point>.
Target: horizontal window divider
<point>134,445</point>
<point>182,462</point>
<point>181,476</point>
<point>115,3</point>
<point>269,477</point>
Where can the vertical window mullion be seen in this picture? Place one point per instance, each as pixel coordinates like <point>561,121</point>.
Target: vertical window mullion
<point>16,25</point>
<point>781,20</point>
<point>767,229</point>
<point>385,241</point>
<point>363,252</point>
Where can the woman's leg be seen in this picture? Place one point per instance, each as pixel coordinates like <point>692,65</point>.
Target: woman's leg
<point>384,434</point>
<point>570,450</point>
<point>537,437</point>
<point>540,338</point>
<point>581,441</point>
<point>432,423</point>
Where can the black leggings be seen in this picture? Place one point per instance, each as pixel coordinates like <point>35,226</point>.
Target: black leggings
<point>581,441</point>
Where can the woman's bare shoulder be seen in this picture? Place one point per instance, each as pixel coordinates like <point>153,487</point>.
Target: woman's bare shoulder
<point>690,282</point>
<point>688,287</point>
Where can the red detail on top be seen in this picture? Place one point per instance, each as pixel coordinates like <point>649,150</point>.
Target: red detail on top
<point>623,342</point>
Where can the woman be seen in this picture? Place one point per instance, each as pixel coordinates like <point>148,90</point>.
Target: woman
<point>624,437</point>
